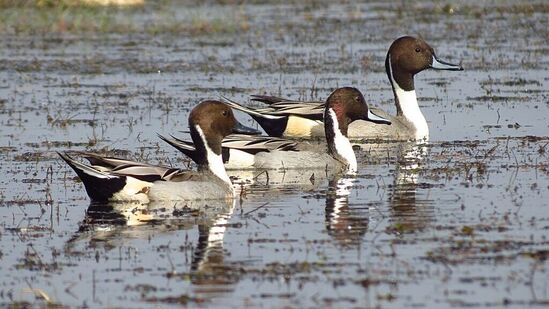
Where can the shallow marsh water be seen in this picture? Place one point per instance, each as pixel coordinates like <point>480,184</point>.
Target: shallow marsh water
<point>460,222</point>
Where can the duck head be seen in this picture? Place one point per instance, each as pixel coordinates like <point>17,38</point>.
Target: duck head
<point>209,122</point>
<point>342,107</point>
<point>348,105</point>
<point>408,56</point>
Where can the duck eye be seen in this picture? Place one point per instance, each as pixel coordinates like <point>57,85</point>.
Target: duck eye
<point>225,113</point>
<point>357,98</point>
<point>418,50</point>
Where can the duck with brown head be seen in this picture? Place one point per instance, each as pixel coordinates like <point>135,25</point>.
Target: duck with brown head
<point>406,57</point>
<point>112,179</point>
<point>209,123</point>
<point>342,108</point>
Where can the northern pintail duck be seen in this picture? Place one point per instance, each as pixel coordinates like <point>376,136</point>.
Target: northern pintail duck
<point>113,179</point>
<point>406,57</point>
<point>343,107</point>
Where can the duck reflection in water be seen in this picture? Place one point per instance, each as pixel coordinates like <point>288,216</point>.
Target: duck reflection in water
<point>209,272</point>
<point>346,224</point>
<point>113,224</point>
<point>410,210</point>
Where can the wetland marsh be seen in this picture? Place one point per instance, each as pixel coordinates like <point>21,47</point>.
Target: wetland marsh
<point>462,221</point>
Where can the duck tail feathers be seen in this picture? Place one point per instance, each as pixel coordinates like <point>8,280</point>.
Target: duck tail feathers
<point>187,148</point>
<point>100,186</point>
<point>82,169</point>
<point>266,99</point>
<point>249,110</point>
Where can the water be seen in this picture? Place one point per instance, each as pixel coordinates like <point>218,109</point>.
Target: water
<point>460,222</point>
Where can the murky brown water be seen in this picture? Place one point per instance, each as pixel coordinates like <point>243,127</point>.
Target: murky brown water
<point>460,222</point>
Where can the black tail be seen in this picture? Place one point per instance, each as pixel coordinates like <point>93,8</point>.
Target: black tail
<point>99,186</point>
<point>274,125</point>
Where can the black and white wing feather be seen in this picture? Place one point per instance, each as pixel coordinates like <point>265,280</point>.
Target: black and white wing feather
<point>280,109</point>
<point>251,144</point>
<point>254,144</point>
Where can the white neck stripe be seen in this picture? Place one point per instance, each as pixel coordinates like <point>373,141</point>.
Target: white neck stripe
<point>215,161</point>
<point>407,100</point>
<point>342,145</point>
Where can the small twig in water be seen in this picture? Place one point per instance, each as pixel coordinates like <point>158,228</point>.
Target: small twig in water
<point>257,208</point>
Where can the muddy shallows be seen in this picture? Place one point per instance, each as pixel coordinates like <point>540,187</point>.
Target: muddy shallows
<point>460,221</point>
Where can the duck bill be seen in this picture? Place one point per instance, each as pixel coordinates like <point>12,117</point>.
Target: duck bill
<point>443,65</point>
<point>242,129</point>
<point>376,119</point>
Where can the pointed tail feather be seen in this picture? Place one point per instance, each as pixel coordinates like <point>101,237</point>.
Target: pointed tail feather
<point>281,103</point>
<point>249,110</point>
<point>187,148</point>
<point>106,162</point>
<point>184,142</point>
<point>274,125</point>
<point>99,186</point>
<point>83,169</point>
<point>267,99</point>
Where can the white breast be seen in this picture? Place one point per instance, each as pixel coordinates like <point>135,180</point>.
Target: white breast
<point>215,161</point>
<point>410,108</point>
<point>411,111</point>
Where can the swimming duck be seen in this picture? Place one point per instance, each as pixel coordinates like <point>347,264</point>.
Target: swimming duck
<point>114,179</point>
<point>343,107</point>
<point>406,57</point>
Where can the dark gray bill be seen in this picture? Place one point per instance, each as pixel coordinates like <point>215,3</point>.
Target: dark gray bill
<point>442,65</point>
<point>242,129</point>
<point>376,119</point>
